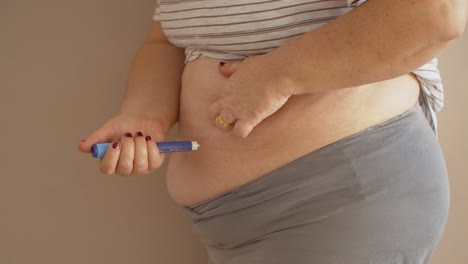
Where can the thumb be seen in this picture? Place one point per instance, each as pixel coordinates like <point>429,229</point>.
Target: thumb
<point>102,135</point>
<point>228,68</point>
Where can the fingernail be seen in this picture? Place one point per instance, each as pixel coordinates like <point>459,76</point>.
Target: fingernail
<point>221,63</point>
<point>83,140</point>
<point>128,134</point>
<point>139,134</point>
<point>148,138</point>
<point>116,145</point>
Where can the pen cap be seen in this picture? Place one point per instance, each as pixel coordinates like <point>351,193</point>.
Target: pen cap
<point>98,150</point>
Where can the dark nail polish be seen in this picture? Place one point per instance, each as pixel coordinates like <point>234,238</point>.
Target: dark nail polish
<point>221,63</point>
<point>148,138</point>
<point>128,134</point>
<point>116,145</point>
<point>139,134</point>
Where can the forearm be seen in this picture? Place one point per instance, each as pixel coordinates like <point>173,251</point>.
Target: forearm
<point>381,39</point>
<point>154,82</point>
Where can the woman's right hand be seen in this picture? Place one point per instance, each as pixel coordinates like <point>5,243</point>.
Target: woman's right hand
<point>132,150</point>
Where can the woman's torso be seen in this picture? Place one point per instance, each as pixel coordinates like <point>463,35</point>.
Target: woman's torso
<point>304,124</point>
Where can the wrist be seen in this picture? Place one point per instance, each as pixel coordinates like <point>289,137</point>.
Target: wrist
<point>138,104</point>
<point>158,119</point>
<point>281,66</point>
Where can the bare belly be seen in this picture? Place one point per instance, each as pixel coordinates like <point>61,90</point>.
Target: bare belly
<point>304,124</point>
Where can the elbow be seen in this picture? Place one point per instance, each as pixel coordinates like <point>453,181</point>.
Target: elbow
<point>449,18</point>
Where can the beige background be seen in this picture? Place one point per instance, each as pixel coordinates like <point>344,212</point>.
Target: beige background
<point>63,67</point>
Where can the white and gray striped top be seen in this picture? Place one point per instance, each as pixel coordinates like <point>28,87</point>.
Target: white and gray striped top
<point>226,29</point>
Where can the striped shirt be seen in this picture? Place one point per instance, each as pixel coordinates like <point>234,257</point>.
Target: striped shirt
<point>226,30</point>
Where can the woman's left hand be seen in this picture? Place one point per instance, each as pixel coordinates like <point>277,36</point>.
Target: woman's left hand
<point>254,90</point>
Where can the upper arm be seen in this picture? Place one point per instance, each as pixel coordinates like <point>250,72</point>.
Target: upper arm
<point>156,33</point>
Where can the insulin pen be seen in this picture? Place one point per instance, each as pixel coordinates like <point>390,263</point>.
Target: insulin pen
<point>98,150</point>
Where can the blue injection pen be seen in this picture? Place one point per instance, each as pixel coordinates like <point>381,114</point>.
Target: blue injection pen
<point>98,150</point>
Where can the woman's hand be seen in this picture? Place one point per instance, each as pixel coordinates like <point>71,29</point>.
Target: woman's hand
<point>132,150</point>
<point>253,91</point>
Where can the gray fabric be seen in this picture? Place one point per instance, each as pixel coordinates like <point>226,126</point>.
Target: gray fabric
<point>378,196</point>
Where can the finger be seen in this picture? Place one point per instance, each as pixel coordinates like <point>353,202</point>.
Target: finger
<point>227,116</point>
<point>103,134</point>
<point>109,161</point>
<point>216,111</point>
<point>155,158</point>
<point>213,112</point>
<point>225,120</point>
<point>228,68</point>
<point>140,162</point>
<point>222,124</point>
<point>242,128</point>
<point>127,154</point>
